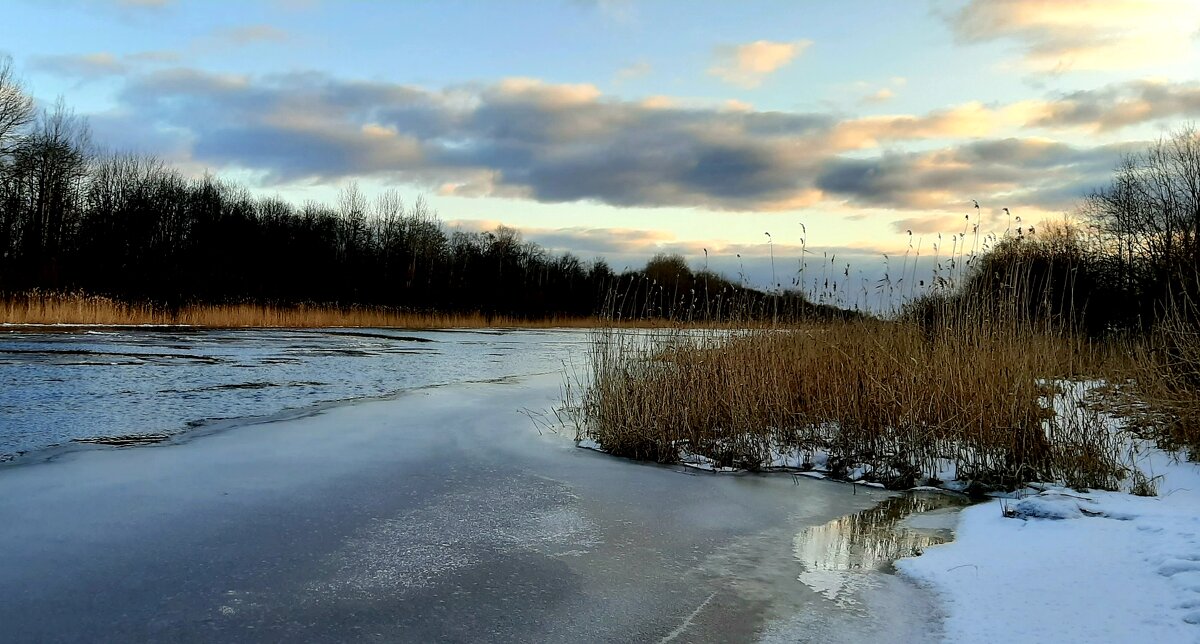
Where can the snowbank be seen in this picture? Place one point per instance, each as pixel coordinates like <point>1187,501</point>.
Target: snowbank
<point>1066,566</point>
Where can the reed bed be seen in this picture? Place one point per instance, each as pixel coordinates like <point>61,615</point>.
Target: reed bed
<point>904,403</point>
<point>1003,371</point>
<point>68,309</point>
<point>1163,379</point>
<point>38,308</point>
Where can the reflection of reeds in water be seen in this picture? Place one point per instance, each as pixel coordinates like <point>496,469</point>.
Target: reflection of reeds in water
<point>833,554</point>
<point>871,539</point>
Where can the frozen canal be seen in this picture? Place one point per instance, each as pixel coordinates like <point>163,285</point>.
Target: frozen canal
<point>438,514</point>
<point>60,385</point>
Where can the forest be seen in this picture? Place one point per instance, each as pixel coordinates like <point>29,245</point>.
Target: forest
<point>128,227</point>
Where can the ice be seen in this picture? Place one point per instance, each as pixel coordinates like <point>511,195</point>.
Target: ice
<point>61,384</point>
<point>438,515</point>
<point>1048,564</point>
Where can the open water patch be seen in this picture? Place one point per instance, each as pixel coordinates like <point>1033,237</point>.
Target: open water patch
<point>127,440</point>
<point>838,556</point>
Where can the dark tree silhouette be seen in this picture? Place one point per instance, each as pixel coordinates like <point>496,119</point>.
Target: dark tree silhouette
<point>1148,219</point>
<point>134,229</point>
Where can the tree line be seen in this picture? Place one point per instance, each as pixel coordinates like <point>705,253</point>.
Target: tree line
<point>1128,261</point>
<point>132,228</point>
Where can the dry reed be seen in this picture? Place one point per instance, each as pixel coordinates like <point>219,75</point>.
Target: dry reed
<point>1164,378</point>
<point>985,378</point>
<point>69,309</point>
<point>966,383</point>
<point>906,403</point>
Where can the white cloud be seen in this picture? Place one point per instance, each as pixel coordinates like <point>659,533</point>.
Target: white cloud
<point>1068,35</point>
<point>747,65</point>
<point>634,70</point>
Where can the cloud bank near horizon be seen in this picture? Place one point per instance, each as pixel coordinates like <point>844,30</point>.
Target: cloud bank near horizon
<point>529,139</point>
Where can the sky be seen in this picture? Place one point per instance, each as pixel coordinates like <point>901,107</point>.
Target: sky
<point>729,132</point>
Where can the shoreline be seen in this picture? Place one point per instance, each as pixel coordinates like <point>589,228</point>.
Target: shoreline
<point>347,508</point>
<point>350,446</point>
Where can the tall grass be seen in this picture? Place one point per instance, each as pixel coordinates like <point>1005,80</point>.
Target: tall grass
<point>1165,374</point>
<point>978,382</point>
<point>908,403</point>
<point>44,308</point>
<point>65,309</point>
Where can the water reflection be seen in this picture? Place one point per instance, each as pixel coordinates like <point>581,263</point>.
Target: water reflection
<point>835,555</point>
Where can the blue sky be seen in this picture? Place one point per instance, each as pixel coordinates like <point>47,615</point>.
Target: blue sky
<point>623,127</point>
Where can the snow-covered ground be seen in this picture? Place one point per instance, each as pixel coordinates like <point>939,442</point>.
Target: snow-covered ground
<point>1066,566</point>
<point>1053,564</point>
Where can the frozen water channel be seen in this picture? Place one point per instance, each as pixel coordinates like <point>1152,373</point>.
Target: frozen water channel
<point>439,513</point>
<point>69,383</point>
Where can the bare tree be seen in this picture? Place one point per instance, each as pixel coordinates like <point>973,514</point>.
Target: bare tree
<point>1149,217</point>
<point>16,107</point>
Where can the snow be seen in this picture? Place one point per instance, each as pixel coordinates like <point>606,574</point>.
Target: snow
<point>1070,566</point>
<point>699,462</point>
<point>793,458</point>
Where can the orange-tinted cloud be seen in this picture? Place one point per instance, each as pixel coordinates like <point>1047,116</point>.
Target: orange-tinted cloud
<point>968,120</point>
<point>530,139</point>
<point>1066,35</point>
<point>747,65</point>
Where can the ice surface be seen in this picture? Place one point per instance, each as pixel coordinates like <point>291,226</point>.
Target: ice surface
<point>442,514</point>
<point>87,382</point>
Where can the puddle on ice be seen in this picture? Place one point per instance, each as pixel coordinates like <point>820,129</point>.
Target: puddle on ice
<point>836,555</point>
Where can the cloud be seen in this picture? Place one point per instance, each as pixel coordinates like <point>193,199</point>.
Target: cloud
<point>1104,109</point>
<point>583,239</point>
<point>747,65</point>
<point>1013,172</point>
<point>1117,106</point>
<point>526,138</point>
<point>929,224</point>
<point>153,57</point>
<point>250,35</point>
<point>882,95</point>
<point>93,66</point>
<point>632,247</point>
<point>1066,35</point>
<point>521,136</point>
<point>100,64</point>
<point>734,105</point>
<point>967,120</point>
<point>634,70</point>
<point>880,92</point>
<point>82,66</point>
